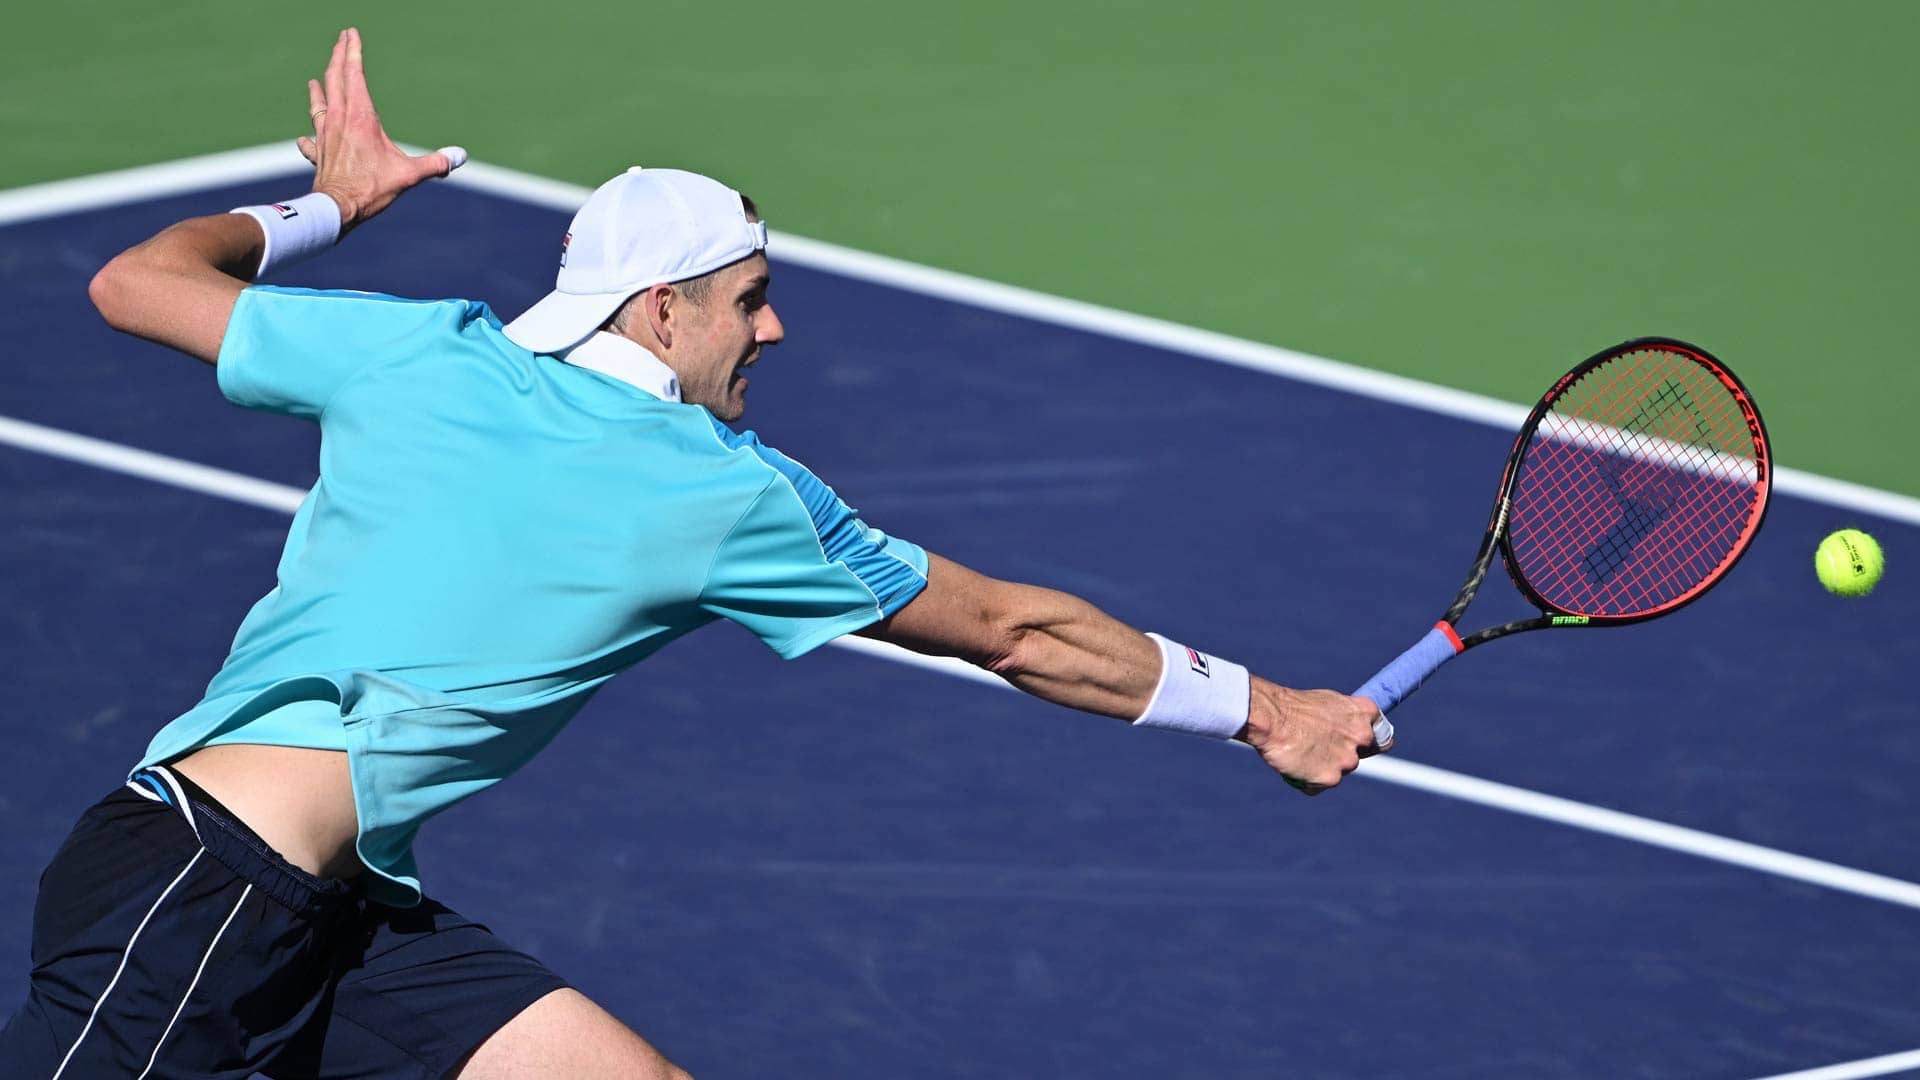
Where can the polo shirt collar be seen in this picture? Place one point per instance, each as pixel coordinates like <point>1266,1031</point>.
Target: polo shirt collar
<point>627,360</point>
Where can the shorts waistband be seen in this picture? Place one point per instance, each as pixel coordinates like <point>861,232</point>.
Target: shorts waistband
<point>240,849</point>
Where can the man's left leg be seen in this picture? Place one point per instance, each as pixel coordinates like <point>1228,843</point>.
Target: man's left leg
<point>566,1034</point>
<point>428,993</point>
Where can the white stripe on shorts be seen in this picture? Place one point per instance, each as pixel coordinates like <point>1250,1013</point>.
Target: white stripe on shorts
<point>199,971</point>
<point>124,954</point>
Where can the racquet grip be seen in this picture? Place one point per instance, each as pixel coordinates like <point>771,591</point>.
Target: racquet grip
<point>1399,679</point>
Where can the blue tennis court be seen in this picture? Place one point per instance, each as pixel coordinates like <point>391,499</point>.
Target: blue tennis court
<point>850,867</point>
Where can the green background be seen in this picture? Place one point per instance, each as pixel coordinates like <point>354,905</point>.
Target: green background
<point>1473,193</point>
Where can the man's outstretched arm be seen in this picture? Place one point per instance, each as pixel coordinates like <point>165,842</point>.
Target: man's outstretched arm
<point>178,288</point>
<point>1062,649</point>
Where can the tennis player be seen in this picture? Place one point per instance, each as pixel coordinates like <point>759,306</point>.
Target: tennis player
<point>507,516</point>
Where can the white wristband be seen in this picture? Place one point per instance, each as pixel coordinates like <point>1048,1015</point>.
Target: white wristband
<point>1198,694</point>
<point>296,230</point>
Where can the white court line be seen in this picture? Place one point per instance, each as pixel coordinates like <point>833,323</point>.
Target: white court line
<point>1854,1070</point>
<point>280,159</point>
<point>150,466</point>
<point>1667,456</point>
<point>1534,804</point>
<point>149,182</point>
<point>1175,337</point>
<point>285,499</point>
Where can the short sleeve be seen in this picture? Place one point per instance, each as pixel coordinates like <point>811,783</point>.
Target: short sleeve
<point>289,350</point>
<point>799,568</point>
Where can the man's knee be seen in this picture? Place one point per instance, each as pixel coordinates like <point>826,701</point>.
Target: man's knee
<point>566,1034</point>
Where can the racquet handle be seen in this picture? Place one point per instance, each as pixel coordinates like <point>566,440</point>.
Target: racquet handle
<point>1394,683</point>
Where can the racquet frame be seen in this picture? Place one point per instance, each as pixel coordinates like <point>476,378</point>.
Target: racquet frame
<point>1498,536</point>
<point>1393,683</point>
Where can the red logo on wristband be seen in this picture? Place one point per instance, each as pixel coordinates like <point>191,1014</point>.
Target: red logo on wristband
<point>1197,662</point>
<point>284,211</point>
<point>565,242</point>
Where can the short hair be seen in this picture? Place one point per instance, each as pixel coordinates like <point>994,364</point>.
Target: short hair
<point>697,290</point>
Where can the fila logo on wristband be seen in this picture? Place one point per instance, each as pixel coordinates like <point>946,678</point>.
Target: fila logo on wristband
<point>1206,695</point>
<point>294,230</point>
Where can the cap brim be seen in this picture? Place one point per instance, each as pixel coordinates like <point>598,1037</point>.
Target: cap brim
<point>562,320</point>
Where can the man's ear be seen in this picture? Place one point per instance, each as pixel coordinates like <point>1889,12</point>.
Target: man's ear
<point>660,305</point>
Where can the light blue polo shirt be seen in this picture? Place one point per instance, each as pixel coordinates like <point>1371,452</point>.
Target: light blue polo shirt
<point>495,534</point>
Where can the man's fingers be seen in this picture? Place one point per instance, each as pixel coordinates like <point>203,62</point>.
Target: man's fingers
<point>316,113</point>
<point>1382,737</point>
<point>316,103</point>
<point>441,161</point>
<point>334,80</point>
<point>356,68</point>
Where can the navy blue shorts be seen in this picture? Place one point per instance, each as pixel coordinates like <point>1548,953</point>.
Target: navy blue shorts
<point>169,941</point>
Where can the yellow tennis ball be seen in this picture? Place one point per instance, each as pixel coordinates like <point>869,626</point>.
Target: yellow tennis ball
<point>1849,563</point>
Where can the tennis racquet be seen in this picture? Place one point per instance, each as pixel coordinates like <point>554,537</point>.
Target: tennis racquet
<point>1633,487</point>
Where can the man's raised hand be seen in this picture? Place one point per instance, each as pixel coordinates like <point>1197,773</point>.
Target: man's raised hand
<point>354,161</point>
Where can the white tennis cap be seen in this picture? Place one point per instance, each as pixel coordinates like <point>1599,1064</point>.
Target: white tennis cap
<point>639,229</point>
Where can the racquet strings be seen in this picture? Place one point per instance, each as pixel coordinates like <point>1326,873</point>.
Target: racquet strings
<point>1638,487</point>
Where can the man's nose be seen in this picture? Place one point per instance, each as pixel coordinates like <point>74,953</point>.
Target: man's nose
<point>771,330</point>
